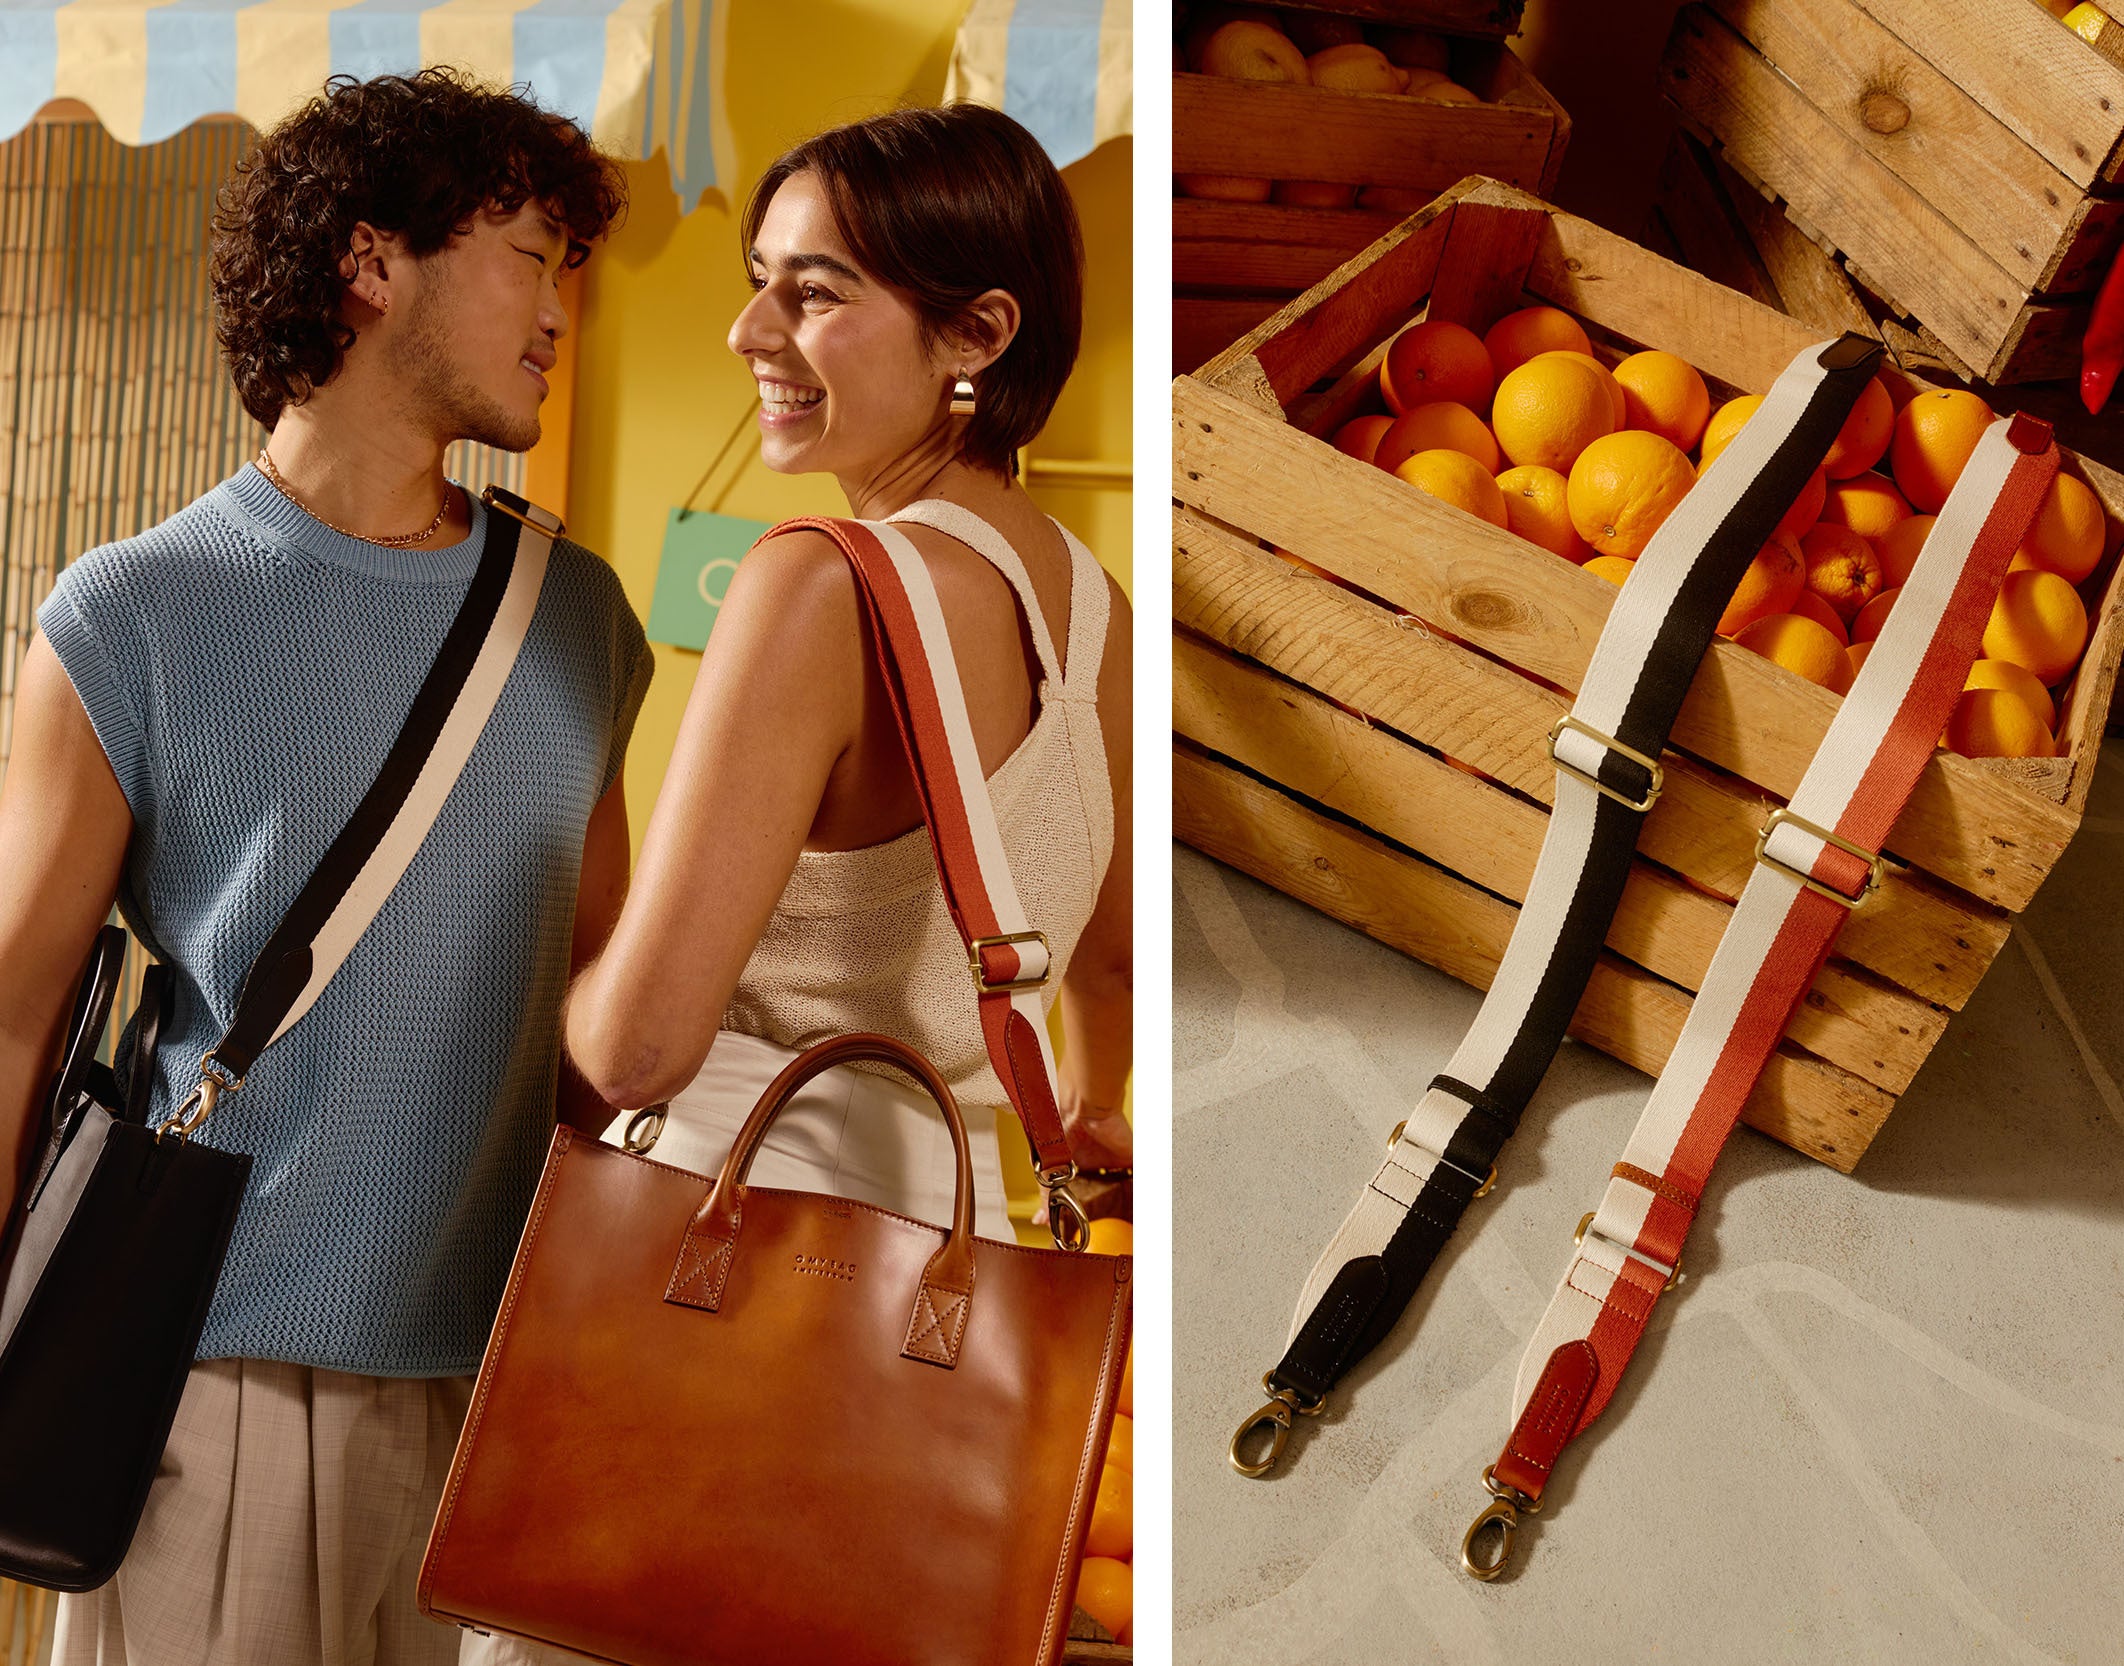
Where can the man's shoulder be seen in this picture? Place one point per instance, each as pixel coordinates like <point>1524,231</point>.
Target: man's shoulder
<point>180,549</point>
<point>585,580</point>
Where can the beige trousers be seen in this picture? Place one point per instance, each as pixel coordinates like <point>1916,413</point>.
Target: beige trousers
<point>286,1525</point>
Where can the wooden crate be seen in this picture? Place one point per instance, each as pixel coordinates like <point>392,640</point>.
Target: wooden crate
<point>1495,18</point>
<point>1374,742</point>
<point>1963,155</point>
<point>1235,263</point>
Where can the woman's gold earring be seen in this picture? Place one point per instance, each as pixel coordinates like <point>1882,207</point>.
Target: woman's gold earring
<point>962,398</point>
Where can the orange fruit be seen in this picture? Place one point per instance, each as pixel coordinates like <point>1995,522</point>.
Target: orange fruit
<point>1536,510</point>
<point>1997,723</point>
<point>1456,478</point>
<point>1841,568</point>
<point>1802,646</point>
<point>1437,359</point>
<point>1312,193</point>
<point>1774,580</point>
<point>1898,548</point>
<point>1618,402</point>
<point>1810,606</point>
<point>1869,504</point>
<point>1806,509</point>
<point>1863,440</point>
<point>1856,654</point>
<point>1549,410</point>
<point>1445,92</point>
<point>1125,1401</point>
<point>2015,679</point>
<point>1113,1518</point>
<point>1359,437</point>
<point>1867,626</point>
<point>1664,394</point>
<point>1109,1236</point>
<point>1934,435</point>
<point>1444,426</point>
<point>2039,624</point>
<point>1623,486</point>
<point>1729,419</point>
<point>1613,568</point>
<point>2067,534</point>
<point>1518,336</point>
<point>1106,1590</point>
<point>1121,1445</point>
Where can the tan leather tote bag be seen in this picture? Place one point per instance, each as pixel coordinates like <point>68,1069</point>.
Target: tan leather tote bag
<point>772,1428</point>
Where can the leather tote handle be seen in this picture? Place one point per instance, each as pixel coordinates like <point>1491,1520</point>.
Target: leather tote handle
<point>710,1245</point>
<point>84,1034</point>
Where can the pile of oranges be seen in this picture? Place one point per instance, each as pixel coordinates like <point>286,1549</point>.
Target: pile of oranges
<point>1525,428</point>
<point>1313,49</point>
<point>1106,1580</point>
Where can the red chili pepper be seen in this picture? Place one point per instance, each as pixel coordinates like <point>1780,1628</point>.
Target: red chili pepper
<point>2102,348</point>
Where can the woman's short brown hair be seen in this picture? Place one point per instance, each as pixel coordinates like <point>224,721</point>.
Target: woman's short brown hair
<point>947,204</point>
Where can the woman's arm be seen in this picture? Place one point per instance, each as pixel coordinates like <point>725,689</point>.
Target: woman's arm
<point>777,701</point>
<point>64,827</point>
<point>1098,1028</point>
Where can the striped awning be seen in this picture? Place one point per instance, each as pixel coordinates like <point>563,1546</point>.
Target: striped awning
<point>639,75</point>
<point>1065,68</point>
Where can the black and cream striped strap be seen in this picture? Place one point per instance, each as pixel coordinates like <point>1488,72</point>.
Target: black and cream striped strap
<point>372,852</point>
<point>1608,775</point>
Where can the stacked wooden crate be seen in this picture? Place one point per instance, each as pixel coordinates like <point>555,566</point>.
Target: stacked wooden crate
<point>1234,263</point>
<point>1963,157</point>
<point>1370,735</point>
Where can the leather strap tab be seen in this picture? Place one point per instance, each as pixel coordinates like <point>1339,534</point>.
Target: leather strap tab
<point>939,1318</point>
<point>1319,1353</point>
<point>1546,1426</point>
<point>703,1268</point>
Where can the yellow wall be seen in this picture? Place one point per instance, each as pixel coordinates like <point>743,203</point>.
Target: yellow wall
<point>657,391</point>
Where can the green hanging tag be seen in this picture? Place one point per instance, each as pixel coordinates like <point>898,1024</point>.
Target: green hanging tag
<point>701,553</point>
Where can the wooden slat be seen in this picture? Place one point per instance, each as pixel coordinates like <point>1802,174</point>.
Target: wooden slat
<point>1977,173</point>
<point>1254,268</point>
<point>1764,121</point>
<point>1423,911</point>
<point>1611,282</point>
<point>1456,17</point>
<point>1347,229</point>
<point>1921,936</point>
<point>1279,130</point>
<point>1707,233</point>
<point>1482,270</point>
<point>2048,86</point>
<point>1237,464</point>
<point>1811,285</point>
<point>1314,750</point>
<point>1204,326</point>
<point>1340,316</point>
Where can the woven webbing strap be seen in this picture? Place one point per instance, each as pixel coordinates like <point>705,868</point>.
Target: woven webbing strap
<point>1007,960</point>
<point>1818,860</point>
<point>1608,775</point>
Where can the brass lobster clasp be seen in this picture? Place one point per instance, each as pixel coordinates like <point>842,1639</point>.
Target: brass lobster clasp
<point>1283,1405</point>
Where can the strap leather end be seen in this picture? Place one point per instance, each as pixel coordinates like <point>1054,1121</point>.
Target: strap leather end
<point>1551,1417</point>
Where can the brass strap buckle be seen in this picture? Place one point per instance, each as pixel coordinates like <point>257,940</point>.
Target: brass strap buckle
<point>1283,1404</point>
<point>1067,1223</point>
<point>191,1116</point>
<point>645,1128</point>
<point>1013,985</point>
<point>493,502</point>
<point>1673,1275</point>
<point>1656,775</point>
<point>1503,1512</point>
<point>1483,1185</point>
<point>1876,864</point>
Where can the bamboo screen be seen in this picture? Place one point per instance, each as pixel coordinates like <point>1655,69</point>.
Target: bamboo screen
<point>114,408</point>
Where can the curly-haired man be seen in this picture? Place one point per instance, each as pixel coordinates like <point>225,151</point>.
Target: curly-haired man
<point>205,706</point>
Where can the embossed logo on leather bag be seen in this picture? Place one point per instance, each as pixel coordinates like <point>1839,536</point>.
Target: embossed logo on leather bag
<point>825,1266</point>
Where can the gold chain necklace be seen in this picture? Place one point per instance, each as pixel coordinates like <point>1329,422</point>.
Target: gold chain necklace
<point>265,467</point>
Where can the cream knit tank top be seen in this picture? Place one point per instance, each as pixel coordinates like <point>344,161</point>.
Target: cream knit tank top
<point>861,939</point>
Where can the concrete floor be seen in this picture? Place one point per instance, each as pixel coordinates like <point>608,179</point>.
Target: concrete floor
<point>1883,1421</point>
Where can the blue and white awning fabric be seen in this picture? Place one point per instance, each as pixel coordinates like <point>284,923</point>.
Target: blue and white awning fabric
<point>1065,68</point>
<point>638,75</point>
